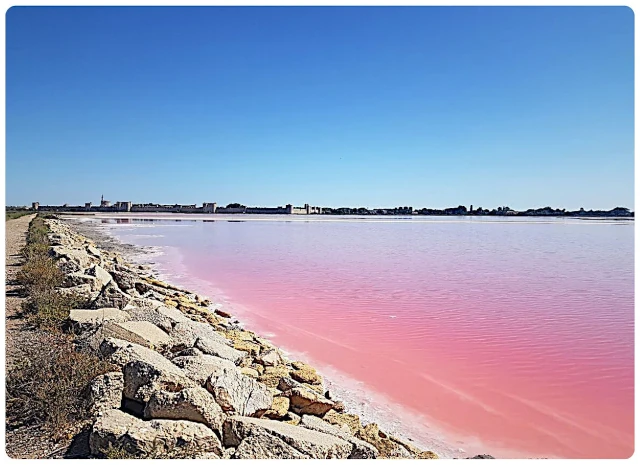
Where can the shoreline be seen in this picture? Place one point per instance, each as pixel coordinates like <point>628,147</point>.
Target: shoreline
<point>105,241</point>
<point>371,403</point>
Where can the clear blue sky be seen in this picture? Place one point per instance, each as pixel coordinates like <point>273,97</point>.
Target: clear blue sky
<point>421,106</point>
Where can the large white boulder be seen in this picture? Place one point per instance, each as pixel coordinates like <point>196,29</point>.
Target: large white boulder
<point>238,393</point>
<point>360,449</point>
<point>185,334</point>
<point>105,392</point>
<point>214,347</point>
<point>200,367</point>
<point>111,296</point>
<point>152,439</point>
<point>311,443</point>
<point>88,318</point>
<point>142,379</point>
<point>193,404</point>
<point>140,332</point>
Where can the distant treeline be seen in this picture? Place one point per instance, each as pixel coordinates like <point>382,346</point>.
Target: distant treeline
<point>462,210</point>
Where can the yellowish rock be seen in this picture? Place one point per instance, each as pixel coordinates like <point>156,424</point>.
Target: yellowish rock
<point>349,419</point>
<point>259,368</point>
<point>249,372</point>
<point>314,387</point>
<point>170,302</point>
<point>239,335</point>
<point>272,375</point>
<point>387,448</point>
<point>279,408</point>
<point>245,346</point>
<point>305,373</point>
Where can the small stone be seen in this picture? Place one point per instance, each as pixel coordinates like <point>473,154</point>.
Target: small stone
<point>222,313</point>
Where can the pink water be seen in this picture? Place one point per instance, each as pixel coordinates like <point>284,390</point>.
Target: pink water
<point>513,338</point>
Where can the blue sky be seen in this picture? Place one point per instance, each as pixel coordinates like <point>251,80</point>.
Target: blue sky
<point>421,106</point>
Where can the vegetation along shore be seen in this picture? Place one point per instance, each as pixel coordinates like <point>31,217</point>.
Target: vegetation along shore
<point>129,366</point>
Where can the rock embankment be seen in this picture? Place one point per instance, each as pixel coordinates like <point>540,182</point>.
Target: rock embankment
<point>191,382</point>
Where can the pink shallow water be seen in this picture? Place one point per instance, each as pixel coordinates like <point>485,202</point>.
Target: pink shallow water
<point>513,338</point>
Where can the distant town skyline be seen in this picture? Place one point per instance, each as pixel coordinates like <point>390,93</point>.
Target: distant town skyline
<point>372,107</point>
<point>125,205</point>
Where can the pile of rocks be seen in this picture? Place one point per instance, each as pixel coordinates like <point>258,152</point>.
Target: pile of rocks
<point>191,382</point>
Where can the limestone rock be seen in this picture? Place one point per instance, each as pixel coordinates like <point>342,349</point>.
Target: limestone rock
<point>161,315</point>
<point>111,296</point>
<point>286,384</point>
<point>69,266</point>
<point>213,347</point>
<point>237,393</point>
<point>350,420</point>
<point>124,280</point>
<point>370,433</point>
<point>100,274</point>
<point>93,251</point>
<point>250,347</point>
<point>200,368</point>
<point>84,291</point>
<point>279,408</point>
<point>193,404</point>
<point>121,352</point>
<point>105,392</point>
<point>78,279</point>
<point>272,375</point>
<point>144,303</point>
<point>307,402</point>
<point>88,318</point>
<point>141,379</point>
<point>250,372</point>
<point>270,358</point>
<point>240,335</point>
<point>308,442</point>
<point>152,439</point>
<point>414,450</point>
<point>305,373</point>
<point>79,257</point>
<point>292,418</point>
<point>185,334</point>
<point>190,352</point>
<point>386,447</point>
<point>139,332</point>
<point>261,445</point>
<point>360,450</point>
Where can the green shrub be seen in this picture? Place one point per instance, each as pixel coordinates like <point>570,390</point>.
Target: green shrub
<point>50,309</point>
<point>12,215</point>
<point>39,273</point>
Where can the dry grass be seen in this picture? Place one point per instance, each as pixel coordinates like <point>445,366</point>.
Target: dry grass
<point>47,387</point>
<point>39,277</point>
<point>118,453</point>
<point>12,215</point>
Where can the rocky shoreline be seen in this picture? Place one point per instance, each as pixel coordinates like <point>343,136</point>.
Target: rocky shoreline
<point>192,383</point>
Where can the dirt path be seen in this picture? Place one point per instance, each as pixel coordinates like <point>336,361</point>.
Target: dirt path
<point>16,233</point>
<point>27,442</point>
